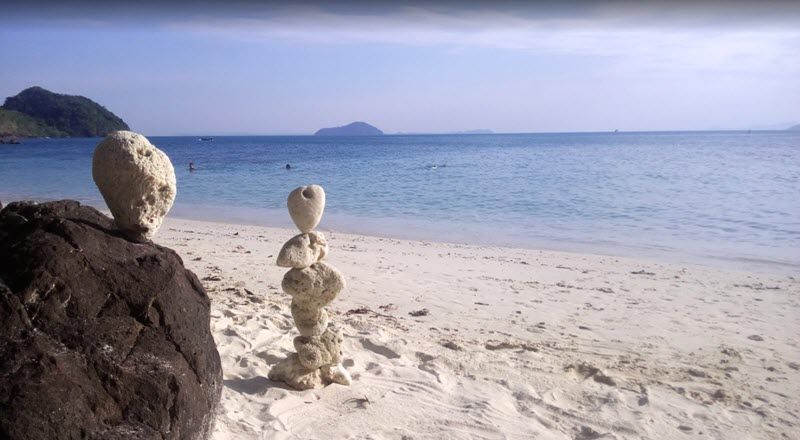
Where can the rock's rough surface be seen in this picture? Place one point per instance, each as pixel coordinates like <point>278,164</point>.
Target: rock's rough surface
<point>303,250</point>
<point>314,286</point>
<point>310,320</point>
<point>305,206</point>
<point>137,181</point>
<point>316,351</point>
<point>335,374</point>
<point>100,337</point>
<point>293,373</point>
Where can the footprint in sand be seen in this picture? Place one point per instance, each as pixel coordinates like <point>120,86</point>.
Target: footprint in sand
<point>379,349</point>
<point>586,371</point>
<point>428,366</point>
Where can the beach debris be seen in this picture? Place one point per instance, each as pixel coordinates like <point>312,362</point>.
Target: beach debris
<point>587,371</point>
<point>312,284</point>
<point>361,403</point>
<point>137,182</point>
<point>451,345</point>
<point>421,312</point>
<point>642,272</point>
<point>388,307</point>
<point>587,433</point>
<point>506,345</point>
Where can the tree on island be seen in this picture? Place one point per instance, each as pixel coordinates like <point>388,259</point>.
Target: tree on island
<point>353,129</point>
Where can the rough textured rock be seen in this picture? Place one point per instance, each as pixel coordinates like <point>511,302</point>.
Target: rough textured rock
<point>335,374</point>
<point>310,321</point>
<point>303,250</point>
<point>314,286</point>
<point>100,337</point>
<point>293,373</point>
<point>305,206</point>
<point>137,181</point>
<point>316,351</point>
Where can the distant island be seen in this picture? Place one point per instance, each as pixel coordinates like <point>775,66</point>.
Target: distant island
<point>352,129</point>
<point>794,128</point>
<point>36,112</point>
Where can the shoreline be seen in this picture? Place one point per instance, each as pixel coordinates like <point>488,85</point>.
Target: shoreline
<point>287,227</point>
<point>411,229</point>
<point>512,342</point>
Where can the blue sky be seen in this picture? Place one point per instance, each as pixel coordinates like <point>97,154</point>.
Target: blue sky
<point>272,70</point>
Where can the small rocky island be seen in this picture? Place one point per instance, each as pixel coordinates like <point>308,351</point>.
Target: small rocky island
<point>37,112</point>
<point>352,129</point>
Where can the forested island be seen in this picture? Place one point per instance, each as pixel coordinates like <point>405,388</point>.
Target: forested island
<point>352,129</point>
<point>37,112</point>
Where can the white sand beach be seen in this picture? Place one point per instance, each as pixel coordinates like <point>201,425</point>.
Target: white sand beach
<point>509,343</point>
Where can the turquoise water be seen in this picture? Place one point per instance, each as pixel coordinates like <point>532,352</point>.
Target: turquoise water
<point>723,198</point>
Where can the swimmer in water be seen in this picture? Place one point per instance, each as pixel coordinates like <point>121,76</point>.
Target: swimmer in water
<point>288,167</point>
<point>191,166</point>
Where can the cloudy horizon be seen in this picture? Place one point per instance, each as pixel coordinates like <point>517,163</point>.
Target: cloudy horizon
<point>256,69</point>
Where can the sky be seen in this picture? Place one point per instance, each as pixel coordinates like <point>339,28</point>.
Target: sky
<point>265,68</point>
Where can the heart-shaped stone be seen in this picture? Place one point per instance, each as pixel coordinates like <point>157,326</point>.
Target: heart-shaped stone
<point>137,182</point>
<point>305,206</point>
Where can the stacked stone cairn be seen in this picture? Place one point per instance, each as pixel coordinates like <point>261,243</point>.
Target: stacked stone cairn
<point>313,284</point>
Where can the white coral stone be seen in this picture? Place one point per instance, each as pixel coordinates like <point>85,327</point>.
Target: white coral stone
<point>306,204</point>
<point>137,181</point>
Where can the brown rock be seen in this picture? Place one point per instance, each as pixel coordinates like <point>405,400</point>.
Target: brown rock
<point>100,337</point>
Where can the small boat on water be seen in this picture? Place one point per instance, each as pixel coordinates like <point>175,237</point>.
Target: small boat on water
<point>206,139</point>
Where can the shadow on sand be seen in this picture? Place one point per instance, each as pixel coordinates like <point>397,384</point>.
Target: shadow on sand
<point>254,385</point>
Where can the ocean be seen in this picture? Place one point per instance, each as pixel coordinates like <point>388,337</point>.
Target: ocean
<point>727,199</point>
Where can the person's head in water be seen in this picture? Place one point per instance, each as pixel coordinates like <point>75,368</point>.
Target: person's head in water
<point>288,167</point>
<point>191,166</point>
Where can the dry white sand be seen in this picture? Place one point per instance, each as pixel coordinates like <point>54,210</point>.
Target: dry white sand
<point>516,343</point>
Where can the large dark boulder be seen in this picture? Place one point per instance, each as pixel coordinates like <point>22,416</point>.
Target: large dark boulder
<point>100,337</point>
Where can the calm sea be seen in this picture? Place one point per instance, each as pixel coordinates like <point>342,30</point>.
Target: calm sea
<point>720,198</point>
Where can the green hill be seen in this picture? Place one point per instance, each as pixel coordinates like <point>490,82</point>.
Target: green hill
<point>13,123</point>
<point>39,112</point>
<point>352,129</point>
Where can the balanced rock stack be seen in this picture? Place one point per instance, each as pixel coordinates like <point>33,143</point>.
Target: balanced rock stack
<point>313,284</point>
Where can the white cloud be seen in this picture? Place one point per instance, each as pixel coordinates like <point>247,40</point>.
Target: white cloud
<point>634,39</point>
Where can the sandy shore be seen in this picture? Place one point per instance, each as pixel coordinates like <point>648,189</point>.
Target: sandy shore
<point>515,344</point>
